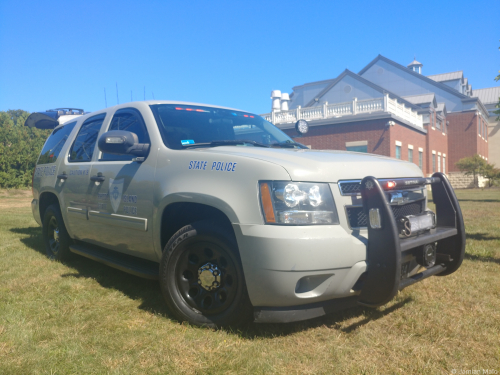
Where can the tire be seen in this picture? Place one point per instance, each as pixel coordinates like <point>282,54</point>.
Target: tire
<point>202,279</point>
<point>55,235</point>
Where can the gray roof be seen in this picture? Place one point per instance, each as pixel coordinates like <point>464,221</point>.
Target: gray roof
<point>487,96</point>
<point>347,72</point>
<point>442,86</point>
<point>441,107</point>
<point>447,76</point>
<point>420,99</point>
<point>415,62</point>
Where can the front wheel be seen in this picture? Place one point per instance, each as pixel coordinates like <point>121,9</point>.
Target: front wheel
<point>201,277</point>
<point>55,235</point>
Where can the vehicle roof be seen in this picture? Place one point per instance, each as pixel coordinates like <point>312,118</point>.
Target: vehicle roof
<point>141,103</point>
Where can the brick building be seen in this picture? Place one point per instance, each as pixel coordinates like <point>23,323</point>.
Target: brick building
<point>392,110</point>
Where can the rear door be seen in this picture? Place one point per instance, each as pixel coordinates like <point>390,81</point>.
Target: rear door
<point>76,185</point>
<point>121,204</point>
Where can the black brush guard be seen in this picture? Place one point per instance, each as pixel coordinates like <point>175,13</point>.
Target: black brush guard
<point>384,252</point>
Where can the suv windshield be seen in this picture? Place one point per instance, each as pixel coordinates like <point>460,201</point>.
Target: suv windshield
<point>183,126</point>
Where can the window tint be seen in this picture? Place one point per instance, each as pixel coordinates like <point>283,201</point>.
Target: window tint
<point>182,125</point>
<point>85,141</point>
<point>55,143</point>
<point>128,119</point>
<point>398,152</point>
<point>357,148</point>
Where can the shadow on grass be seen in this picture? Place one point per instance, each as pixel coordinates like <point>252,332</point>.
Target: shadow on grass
<point>482,258</point>
<point>481,237</point>
<point>146,291</point>
<point>480,200</point>
<point>333,321</point>
<point>149,294</point>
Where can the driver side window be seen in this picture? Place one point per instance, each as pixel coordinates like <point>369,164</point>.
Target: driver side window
<point>128,119</point>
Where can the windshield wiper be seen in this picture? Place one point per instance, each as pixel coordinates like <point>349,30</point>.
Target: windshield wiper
<point>289,144</point>
<point>231,142</point>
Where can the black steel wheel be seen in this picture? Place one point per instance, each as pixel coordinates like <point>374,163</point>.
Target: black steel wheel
<point>55,235</point>
<point>202,279</point>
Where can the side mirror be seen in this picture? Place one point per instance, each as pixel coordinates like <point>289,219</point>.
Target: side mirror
<point>121,142</point>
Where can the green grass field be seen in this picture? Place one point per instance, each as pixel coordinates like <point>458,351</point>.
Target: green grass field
<point>86,318</point>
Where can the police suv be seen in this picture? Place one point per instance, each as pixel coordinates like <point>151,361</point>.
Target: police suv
<point>237,220</point>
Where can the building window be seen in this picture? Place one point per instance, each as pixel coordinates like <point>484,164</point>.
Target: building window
<point>421,159</point>
<point>410,155</point>
<point>357,148</point>
<point>438,124</point>
<point>433,163</point>
<point>444,164</point>
<point>439,163</point>
<point>398,152</point>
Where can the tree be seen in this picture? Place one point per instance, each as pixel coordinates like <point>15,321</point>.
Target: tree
<point>473,165</point>
<point>491,173</point>
<point>19,149</point>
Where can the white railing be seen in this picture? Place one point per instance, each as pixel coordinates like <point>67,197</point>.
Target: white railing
<point>325,111</point>
<point>371,105</point>
<point>339,109</point>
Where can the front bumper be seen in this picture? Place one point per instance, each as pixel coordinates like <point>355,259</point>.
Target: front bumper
<point>297,273</point>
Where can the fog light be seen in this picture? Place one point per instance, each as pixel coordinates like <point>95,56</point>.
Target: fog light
<point>375,219</point>
<point>427,257</point>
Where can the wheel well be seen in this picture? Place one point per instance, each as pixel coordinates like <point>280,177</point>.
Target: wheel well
<point>177,215</point>
<point>46,199</point>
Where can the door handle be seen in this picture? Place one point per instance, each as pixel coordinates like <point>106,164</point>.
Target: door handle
<point>97,178</point>
<point>63,176</point>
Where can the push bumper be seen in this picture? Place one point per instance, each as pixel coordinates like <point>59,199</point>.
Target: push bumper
<point>386,250</point>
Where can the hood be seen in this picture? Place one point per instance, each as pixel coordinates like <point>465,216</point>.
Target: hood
<point>324,165</point>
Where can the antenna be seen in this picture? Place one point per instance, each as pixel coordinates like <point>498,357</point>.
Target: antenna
<point>117,101</point>
<point>105,99</point>
<point>153,94</point>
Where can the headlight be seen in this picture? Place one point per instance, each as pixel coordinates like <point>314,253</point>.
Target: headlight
<point>297,203</point>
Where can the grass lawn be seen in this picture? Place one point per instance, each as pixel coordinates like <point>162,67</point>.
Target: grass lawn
<point>86,318</point>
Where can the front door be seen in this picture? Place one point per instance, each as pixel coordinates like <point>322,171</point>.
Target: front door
<point>121,197</point>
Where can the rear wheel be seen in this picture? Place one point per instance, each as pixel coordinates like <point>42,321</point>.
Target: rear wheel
<point>202,279</point>
<point>55,235</point>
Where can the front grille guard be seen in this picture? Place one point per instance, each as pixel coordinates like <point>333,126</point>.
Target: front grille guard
<point>383,277</point>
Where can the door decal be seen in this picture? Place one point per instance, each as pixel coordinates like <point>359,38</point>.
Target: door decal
<point>115,193</point>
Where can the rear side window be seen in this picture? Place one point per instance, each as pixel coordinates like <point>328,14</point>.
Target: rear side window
<point>83,147</point>
<point>55,143</point>
<point>128,119</point>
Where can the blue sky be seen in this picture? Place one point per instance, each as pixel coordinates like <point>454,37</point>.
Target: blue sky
<point>229,53</point>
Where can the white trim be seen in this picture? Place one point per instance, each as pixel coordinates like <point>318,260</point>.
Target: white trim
<point>439,153</point>
<point>434,152</point>
<point>444,155</point>
<point>356,143</point>
<point>444,134</point>
<point>398,143</point>
<point>410,147</point>
<point>420,149</point>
